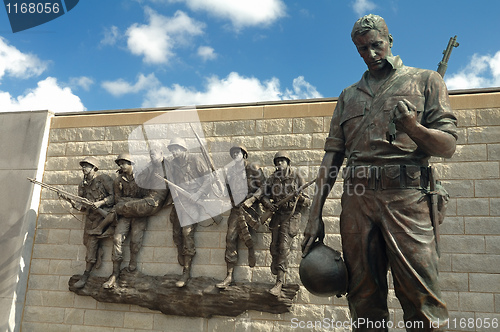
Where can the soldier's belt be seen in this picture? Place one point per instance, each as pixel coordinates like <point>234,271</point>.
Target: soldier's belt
<point>387,177</point>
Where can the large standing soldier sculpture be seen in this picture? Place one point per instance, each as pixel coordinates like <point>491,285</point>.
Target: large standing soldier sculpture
<point>285,221</point>
<point>387,125</point>
<point>244,181</point>
<point>97,188</point>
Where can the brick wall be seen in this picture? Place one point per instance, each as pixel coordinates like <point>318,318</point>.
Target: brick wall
<point>470,262</point>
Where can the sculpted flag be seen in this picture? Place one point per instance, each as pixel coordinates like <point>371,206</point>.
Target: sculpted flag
<point>31,13</point>
<point>157,133</point>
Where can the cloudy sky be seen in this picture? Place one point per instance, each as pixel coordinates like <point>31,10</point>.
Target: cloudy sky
<point>105,55</point>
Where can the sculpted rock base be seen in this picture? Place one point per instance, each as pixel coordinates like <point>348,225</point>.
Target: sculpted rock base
<point>199,298</point>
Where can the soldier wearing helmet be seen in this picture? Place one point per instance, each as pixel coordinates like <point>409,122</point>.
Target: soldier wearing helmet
<point>244,182</point>
<point>134,204</point>
<point>97,188</point>
<point>284,224</point>
<point>190,174</point>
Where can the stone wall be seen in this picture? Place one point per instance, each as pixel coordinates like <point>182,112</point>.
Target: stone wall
<point>470,262</point>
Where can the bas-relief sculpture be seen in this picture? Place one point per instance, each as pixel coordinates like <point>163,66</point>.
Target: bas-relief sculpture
<point>386,126</point>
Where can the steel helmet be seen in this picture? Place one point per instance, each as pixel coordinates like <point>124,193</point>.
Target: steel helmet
<point>323,271</point>
<point>90,160</point>
<point>124,156</point>
<point>281,155</point>
<point>239,147</point>
<point>179,142</point>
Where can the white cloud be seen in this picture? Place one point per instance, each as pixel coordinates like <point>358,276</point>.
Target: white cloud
<point>48,95</point>
<point>121,87</point>
<point>232,89</point>
<point>83,82</point>
<point>156,40</point>
<point>362,7</point>
<point>241,13</point>
<point>482,71</point>
<point>111,35</point>
<point>207,53</point>
<point>17,64</point>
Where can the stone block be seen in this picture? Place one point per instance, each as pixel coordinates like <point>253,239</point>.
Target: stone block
<point>488,117</point>
<point>474,263</point>
<point>476,302</point>
<point>73,316</point>
<point>104,318</point>
<point>176,323</point>
<point>58,236</point>
<point>474,244</point>
<point>467,170</point>
<point>136,320</point>
<point>43,282</point>
<point>453,225</point>
<point>465,118</point>
<point>318,140</point>
<point>473,152</point>
<point>459,188</point>
<point>492,244</point>
<point>482,225</point>
<point>486,134</point>
<point>308,125</point>
<point>104,148</point>
<point>232,128</point>
<point>274,126</point>
<point>90,134</point>
<point>473,207</point>
<point>55,251</point>
<point>487,188</point>
<point>287,142</point>
<point>62,135</point>
<point>493,151</point>
<point>118,133</point>
<point>44,314</point>
<point>451,281</point>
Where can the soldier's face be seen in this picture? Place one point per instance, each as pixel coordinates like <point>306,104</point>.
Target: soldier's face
<point>237,155</point>
<point>374,48</point>
<point>125,166</point>
<point>281,163</point>
<point>156,156</point>
<point>178,152</point>
<point>87,169</point>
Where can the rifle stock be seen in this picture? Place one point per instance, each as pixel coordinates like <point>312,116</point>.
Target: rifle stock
<point>443,64</point>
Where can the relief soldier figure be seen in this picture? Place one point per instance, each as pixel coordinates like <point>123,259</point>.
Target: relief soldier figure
<point>189,184</point>
<point>134,204</point>
<point>97,188</point>
<point>244,181</point>
<point>285,222</point>
<point>387,222</point>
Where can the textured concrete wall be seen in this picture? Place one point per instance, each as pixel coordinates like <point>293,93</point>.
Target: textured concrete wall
<point>470,263</point>
<point>23,143</point>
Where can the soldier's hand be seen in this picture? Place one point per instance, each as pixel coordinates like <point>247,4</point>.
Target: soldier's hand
<point>315,229</point>
<point>405,116</point>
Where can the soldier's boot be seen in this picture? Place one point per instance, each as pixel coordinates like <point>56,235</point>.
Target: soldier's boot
<point>83,280</point>
<point>186,272</point>
<point>276,290</point>
<point>251,256</point>
<point>229,278</point>
<point>112,279</point>
<point>132,265</point>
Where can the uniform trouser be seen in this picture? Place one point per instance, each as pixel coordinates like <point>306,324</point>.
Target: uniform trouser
<point>183,236</point>
<point>124,226</point>
<point>236,227</point>
<point>284,227</point>
<point>391,228</point>
<point>91,242</point>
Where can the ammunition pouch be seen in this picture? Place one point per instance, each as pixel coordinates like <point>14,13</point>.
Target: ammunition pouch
<point>387,177</point>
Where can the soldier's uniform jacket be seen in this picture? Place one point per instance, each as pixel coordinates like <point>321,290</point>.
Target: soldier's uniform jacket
<point>423,88</point>
<point>190,174</point>
<point>244,180</point>
<point>125,186</point>
<point>97,189</point>
<point>278,187</point>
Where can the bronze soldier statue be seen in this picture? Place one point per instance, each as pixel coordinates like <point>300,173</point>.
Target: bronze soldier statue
<point>285,222</point>
<point>97,188</point>
<point>385,219</point>
<point>189,183</point>
<point>134,204</point>
<point>244,181</point>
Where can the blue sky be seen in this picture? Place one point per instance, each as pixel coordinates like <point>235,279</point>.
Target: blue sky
<point>117,54</point>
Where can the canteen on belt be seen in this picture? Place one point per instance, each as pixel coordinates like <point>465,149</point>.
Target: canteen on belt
<point>323,271</point>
